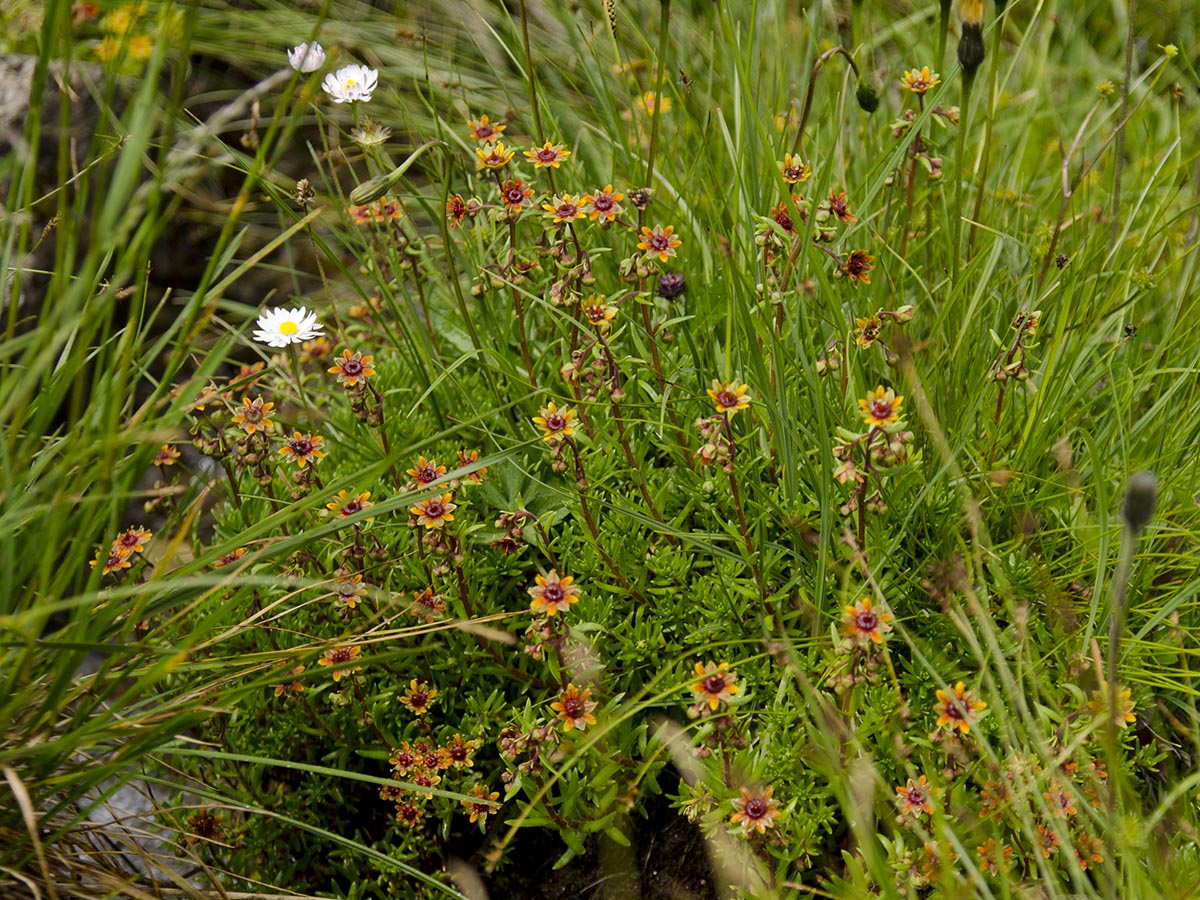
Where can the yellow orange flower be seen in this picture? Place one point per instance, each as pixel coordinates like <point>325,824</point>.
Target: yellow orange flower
<point>418,697</point>
<point>352,368</point>
<point>547,156</point>
<point>555,424</point>
<point>920,80</point>
<point>574,708</point>
<point>341,657</point>
<point>755,811</point>
<point>915,798</point>
<point>880,407</point>
<point>659,241</point>
<point>553,593</point>
<point>716,683</point>
<point>604,204</point>
<point>434,512</point>
<point>493,156</point>
<point>957,708</point>
<point>303,449</point>
<point>485,130</point>
<point>795,170</point>
<point>729,396</point>
<point>564,208</point>
<point>345,506</point>
<point>254,416</point>
<point>864,624</point>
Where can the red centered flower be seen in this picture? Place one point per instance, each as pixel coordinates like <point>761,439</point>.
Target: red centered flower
<point>840,208</point>
<point>493,156</point>
<point>553,594</point>
<point>915,798</point>
<point>254,416</point>
<point>345,505</point>
<point>131,540</point>
<point>303,448</point>
<point>229,558</point>
<point>341,657</point>
<point>405,759</point>
<point>467,458</point>
<point>456,210</point>
<point>881,407</point>
<point>864,624</point>
<point>867,330</point>
<point>166,456</point>
<point>574,708</point>
<point>659,241</point>
<point>112,562</point>
<point>729,396</point>
<point>515,194</point>
<point>604,204</point>
<point>285,686</point>
<point>458,753</point>
<point>352,368</point>
<point>428,604</point>
<point>795,170</point>
<point>434,512</point>
<point>482,804</point>
<point>555,425</point>
<point>857,265</point>
<point>349,590</point>
<point>425,472</point>
<point>957,708</point>
<point>547,156</point>
<point>715,684</point>
<point>418,698</point>
<point>564,208</point>
<point>755,811</point>
<point>409,814</point>
<point>485,130</point>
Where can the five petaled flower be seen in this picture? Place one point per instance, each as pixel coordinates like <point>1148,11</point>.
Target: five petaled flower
<point>418,697</point>
<point>515,194</point>
<point>132,540</point>
<point>795,170</point>
<point>857,265</point>
<point>880,407</point>
<point>481,802</point>
<point>729,396</point>
<point>574,708</point>
<point>555,424</point>
<point>920,80</point>
<point>604,204</point>
<point>303,449</point>
<point>547,156</point>
<point>427,604</point>
<point>486,130</point>
<point>1099,704</point>
<point>864,624</point>
<point>957,708</point>
<point>434,512</point>
<point>350,590</point>
<point>598,313</point>
<point>352,368</point>
<point>457,753</point>
<point>866,331</point>
<point>839,206</point>
<point>915,798</point>
<point>341,657</point>
<point>553,593</point>
<point>564,208</point>
<point>494,156</point>
<point>254,415</point>
<point>166,456</point>
<point>716,683</point>
<point>659,241</point>
<point>425,472</point>
<point>345,506</point>
<point>755,811</point>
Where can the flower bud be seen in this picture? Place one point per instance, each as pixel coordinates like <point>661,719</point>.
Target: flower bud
<point>868,98</point>
<point>1141,494</point>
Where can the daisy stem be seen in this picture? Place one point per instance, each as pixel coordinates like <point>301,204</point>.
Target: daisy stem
<point>294,357</point>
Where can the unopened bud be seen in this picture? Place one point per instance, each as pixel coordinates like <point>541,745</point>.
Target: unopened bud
<point>1141,493</point>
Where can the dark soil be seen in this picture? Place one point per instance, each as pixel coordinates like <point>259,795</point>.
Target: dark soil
<point>667,860</point>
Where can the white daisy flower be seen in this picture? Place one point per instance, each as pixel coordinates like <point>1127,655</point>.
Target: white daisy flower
<point>307,57</point>
<point>351,83</point>
<point>281,327</point>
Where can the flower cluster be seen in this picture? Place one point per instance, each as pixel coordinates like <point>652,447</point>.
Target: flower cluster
<point>129,543</point>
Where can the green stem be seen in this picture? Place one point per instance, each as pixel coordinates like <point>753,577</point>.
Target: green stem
<point>960,174</point>
<point>663,25</point>
<point>533,98</point>
<point>1119,162</point>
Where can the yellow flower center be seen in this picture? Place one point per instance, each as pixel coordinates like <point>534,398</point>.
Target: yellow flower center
<point>288,328</point>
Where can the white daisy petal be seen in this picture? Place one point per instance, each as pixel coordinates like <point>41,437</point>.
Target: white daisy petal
<point>281,327</point>
<point>351,83</point>
<point>306,57</point>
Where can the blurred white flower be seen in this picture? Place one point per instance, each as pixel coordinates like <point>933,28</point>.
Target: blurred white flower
<point>351,83</point>
<point>307,57</point>
<point>280,327</point>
